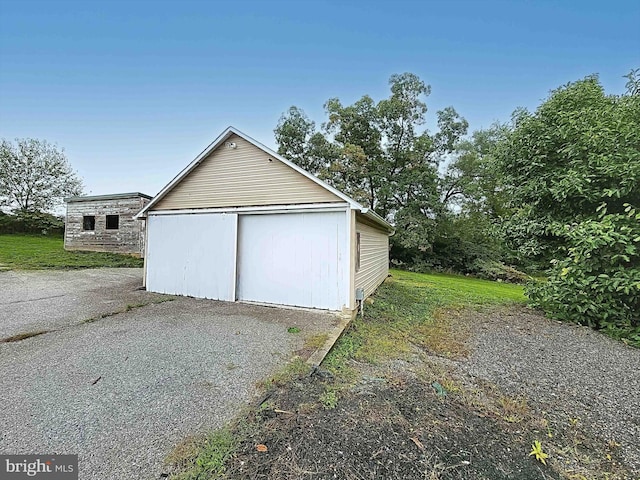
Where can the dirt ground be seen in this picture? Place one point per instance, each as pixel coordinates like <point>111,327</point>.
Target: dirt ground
<point>437,416</point>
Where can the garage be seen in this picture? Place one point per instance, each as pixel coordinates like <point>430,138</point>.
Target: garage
<point>242,223</point>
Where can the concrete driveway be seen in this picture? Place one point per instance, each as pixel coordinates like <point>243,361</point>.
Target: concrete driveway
<point>124,390</point>
<point>47,300</point>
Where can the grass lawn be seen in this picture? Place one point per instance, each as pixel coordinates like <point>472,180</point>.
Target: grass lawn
<point>457,289</point>
<point>407,310</point>
<point>31,252</point>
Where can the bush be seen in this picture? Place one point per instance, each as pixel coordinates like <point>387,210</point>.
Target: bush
<point>457,243</point>
<point>495,270</point>
<point>598,282</point>
<point>31,222</point>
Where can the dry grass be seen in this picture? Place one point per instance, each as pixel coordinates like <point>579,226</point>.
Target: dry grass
<point>315,341</point>
<point>294,369</point>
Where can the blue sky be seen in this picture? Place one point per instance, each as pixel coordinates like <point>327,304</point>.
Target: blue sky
<point>134,90</point>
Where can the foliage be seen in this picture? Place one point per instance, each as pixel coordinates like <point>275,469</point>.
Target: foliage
<point>572,171</point>
<point>39,252</point>
<point>495,270</point>
<point>31,222</point>
<point>299,142</point>
<point>597,283</point>
<point>633,82</point>
<point>458,240</point>
<point>211,458</point>
<point>536,450</point>
<point>35,176</point>
<point>578,149</point>
<point>377,153</point>
<point>329,399</point>
<point>472,182</point>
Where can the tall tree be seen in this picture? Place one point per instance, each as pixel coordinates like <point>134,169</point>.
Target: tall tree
<point>580,148</point>
<point>472,182</point>
<point>35,176</point>
<point>573,172</point>
<point>378,153</point>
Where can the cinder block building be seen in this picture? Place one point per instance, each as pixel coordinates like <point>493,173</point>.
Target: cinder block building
<point>105,223</point>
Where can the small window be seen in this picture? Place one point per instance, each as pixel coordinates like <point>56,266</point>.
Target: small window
<point>113,222</point>
<point>88,222</point>
<point>357,251</point>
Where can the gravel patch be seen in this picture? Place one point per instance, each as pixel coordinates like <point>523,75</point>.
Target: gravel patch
<point>48,300</point>
<point>573,369</point>
<point>123,391</point>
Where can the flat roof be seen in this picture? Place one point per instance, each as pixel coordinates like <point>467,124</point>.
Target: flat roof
<point>113,196</point>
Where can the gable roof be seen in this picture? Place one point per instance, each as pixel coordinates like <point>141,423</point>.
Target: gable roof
<point>233,131</point>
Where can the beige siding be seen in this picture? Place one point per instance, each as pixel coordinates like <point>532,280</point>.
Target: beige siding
<point>244,176</point>
<point>374,257</point>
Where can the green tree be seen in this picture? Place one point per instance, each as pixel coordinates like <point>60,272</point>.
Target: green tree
<point>472,182</point>
<point>35,176</point>
<point>378,153</point>
<point>633,82</point>
<point>299,142</point>
<point>580,148</point>
<point>572,171</point>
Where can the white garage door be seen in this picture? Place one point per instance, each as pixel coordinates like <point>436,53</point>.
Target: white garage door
<point>192,255</point>
<point>293,259</point>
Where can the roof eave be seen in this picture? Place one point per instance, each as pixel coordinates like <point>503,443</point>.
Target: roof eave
<point>373,216</point>
<point>113,196</point>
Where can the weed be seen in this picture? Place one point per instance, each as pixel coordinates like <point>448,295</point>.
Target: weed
<point>294,369</point>
<point>536,450</point>
<point>212,457</point>
<point>129,307</point>
<point>183,454</point>
<point>452,386</point>
<point>513,410</point>
<point>329,399</point>
<point>293,330</point>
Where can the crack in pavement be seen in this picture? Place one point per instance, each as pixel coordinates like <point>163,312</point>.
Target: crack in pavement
<point>33,299</point>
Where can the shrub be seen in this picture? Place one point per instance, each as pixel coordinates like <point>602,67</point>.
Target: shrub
<point>495,270</point>
<point>31,222</point>
<point>598,282</point>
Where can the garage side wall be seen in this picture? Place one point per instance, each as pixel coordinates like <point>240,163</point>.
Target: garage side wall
<point>239,174</point>
<point>374,257</point>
